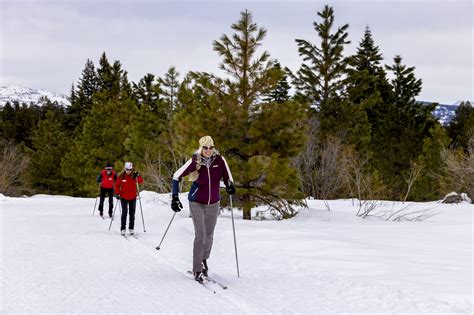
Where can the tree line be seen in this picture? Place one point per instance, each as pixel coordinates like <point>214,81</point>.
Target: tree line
<point>340,126</point>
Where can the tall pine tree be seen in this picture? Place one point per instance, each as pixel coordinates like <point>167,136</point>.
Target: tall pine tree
<point>81,100</point>
<point>320,79</point>
<point>104,131</point>
<point>257,138</point>
<point>399,139</point>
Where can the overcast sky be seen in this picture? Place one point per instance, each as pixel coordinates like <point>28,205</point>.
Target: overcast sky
<point>45,44</point>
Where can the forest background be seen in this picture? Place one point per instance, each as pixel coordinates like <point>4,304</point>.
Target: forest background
<point>341,126</point>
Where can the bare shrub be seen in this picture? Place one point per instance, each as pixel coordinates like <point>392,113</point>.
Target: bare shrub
<point>405,213</point>
<point>305,162</point>
<point>415,171</point>
<point>459,170</point>
<point>280,209</point>
<point>330,170</point>
<point>13,164</point>
<point>397,212</point>
<point>160,172</point>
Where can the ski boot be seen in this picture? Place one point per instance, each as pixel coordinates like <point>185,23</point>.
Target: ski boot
<point>205,269</point>
<point>198,276</point>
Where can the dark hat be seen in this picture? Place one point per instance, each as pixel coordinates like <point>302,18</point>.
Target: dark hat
<point>108,165</point>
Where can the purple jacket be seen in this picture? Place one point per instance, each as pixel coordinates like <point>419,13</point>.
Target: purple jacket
<point>205,189</point>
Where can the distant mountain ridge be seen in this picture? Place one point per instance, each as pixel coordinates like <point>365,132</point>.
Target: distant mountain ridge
<point>26,95</point>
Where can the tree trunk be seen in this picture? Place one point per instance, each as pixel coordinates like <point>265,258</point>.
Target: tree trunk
<point>247,208</point>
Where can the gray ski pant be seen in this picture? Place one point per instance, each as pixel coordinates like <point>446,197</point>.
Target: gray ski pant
<point>204,220</point>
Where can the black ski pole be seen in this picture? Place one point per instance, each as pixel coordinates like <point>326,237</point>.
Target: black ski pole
<point>113,215</point>
<point>141,209</point>
<point>158,247</point>
<point>235,242</point>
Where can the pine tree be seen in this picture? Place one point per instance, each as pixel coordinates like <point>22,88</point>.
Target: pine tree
<point>49,144</point>
<point>368,92</point>
<point>257,138</point>
<point>427,187</point>
<point>366,77</point>
<point>281,93</point>
<point>7,122</point>
<point>398,139</point>
<point>319,77</point>
<point>105,129</point>
<point>81,100</point>
<point>461,127</point>
<point>104,74</point>
<point>26,119</point>
<point>170,87</point>
<point>405,85</point>
<point>147,92</point>
<point>319,80</point>
<point>150,142</point>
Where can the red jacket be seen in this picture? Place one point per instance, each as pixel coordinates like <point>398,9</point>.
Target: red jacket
<point>107,180</point>
<point>126,186</point>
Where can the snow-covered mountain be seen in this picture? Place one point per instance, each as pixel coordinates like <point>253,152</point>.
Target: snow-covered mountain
<point>26,95</point>
<point>444,112</point>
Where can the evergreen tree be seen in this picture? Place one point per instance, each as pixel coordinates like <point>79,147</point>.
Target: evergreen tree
<point>49,144</point>
<point>366,77</point>
<point>320,78</point>
<point>26,119</point>
<point>150,142</point>
<point>104,132</point>
<point>88,84</point>
<point>170,87</point>
<point>258,139</point>
<point>104,74</point>
<point>7,122</point>
<point>146,92</point>
<point>368,92</point>
<point>81,100</point>
<point>461,127</point>
<point>72,94</point>
<point>405,85</point>
<point>427,187</point>
<point>399,138</point>
<point>281,93</point>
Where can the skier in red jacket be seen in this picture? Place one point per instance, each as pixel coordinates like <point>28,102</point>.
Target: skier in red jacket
<point>126,191</point>
<point>107,178</point>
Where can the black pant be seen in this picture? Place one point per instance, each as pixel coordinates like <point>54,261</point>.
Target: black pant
<point>103,192</point>
<point>128,206</point>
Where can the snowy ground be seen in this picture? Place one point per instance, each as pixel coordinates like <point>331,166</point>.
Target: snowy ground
<point>58,258</point>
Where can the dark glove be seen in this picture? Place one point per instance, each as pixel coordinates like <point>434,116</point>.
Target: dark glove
<point>135,174</point>
<point>118,197</point>
<point>230,189</point>
<point>176,205</point>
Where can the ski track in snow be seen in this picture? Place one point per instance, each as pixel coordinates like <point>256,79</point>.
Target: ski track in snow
<point>58,258</point>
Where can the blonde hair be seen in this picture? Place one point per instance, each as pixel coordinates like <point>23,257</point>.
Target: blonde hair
<point>195,174</point>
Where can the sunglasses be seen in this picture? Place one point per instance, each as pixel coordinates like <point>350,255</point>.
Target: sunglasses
<point>128,170</point>
<point>207,148</point>
<point>108,168</point>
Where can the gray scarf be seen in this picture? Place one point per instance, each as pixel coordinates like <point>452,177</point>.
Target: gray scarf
<point>207,161</point>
